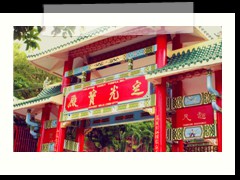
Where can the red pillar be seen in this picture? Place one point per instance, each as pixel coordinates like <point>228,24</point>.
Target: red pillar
<point>45,116</point>
<point>80,130</point>
<point>80,136</point>
<point>177,91</point>
<point>218,83</point>
<point>61,132</point>
<point>160,113</point>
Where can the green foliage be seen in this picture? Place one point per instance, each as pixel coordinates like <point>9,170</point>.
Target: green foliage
<point>135,135</point>
<point>28,79</point>
<point>30,34</point>
<point>65,30</point>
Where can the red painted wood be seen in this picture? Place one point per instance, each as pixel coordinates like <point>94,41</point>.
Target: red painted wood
<point>61,132</point>
<point>45,117</point>
<point>123,50</point>
<point>176,42</point>
<point>182,76</point>
<point>67,67</point>
<point>123,91</point>
<point>218,83</point>
<point>49,135</point>
<point>177,91</point>
<point>16,134</point>
<point>160,113</point>
<point>102,44</point>
<point>195,116</point>
<point>23,141</point>
<point>80,137</point>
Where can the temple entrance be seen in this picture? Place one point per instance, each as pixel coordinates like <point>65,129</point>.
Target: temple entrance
<point>113,82</point>
<point>129,132</point>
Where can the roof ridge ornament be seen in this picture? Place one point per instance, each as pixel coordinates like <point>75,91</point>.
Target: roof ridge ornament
<point>46,83</point>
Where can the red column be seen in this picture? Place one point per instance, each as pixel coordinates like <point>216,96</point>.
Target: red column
<point>160,113</point>
<point>177,91</point>
<point>218,83</point>
<point>80,136</point>
<point>45,116</point>
<point>80,131</point>
<point>61,132</point>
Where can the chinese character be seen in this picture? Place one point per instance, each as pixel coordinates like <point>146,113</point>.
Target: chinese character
<point>92,96</point>
<point>201,115</point>
<point>136,90</point>
<point>73,101</point>
<point>186,117</point>
<point>114,93</point>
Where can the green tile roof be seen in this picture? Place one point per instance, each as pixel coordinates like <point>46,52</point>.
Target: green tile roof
<point>190,57</point>
<point>44,95</point>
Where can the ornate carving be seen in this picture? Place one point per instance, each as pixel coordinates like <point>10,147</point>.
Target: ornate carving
<point>193,100</point>
<point>85,50</point>
<point>46,83</point>
<point>48,147</point>
<point>50,124</point>
<point>209,130</point>
<point>206,98</point>
<point>177,134</point>
<point>150,110</point>
<point>71,145</point>
<point>178,102</point>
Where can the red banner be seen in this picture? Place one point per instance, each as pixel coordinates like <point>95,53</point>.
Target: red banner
<point>107,94</point>
<point>193,116</point>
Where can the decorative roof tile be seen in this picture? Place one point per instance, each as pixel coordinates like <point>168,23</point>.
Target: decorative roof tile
<point>44,95</point>
<point>187,58</point>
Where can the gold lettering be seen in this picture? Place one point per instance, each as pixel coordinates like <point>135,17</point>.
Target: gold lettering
<point>114,93</point>
<point>136,89</point>
<point>73,101</point>
<point>92,96</point>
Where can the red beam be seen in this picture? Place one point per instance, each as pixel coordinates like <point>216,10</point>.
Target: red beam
<point>102,44</point>
<point>160,114</point>
<point>123,50</point>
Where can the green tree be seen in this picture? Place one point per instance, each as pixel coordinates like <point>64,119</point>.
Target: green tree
<point>30,34</point>
<point>28,79</point>
<point>135,135</point>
